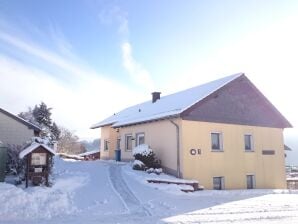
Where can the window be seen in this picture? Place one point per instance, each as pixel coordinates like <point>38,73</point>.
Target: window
<point>118,143</point>
<point>216,141</point>
<point>106,145</point>
<point>38,159</point>
<point>218,183</point>
<point>140,139</point>
<point>128,142</point>
<point>248,143</point>
<point>250,181</point>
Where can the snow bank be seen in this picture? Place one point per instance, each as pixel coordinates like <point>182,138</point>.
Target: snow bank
<point>35,203</point>
<point>143,177</point>
<point>19,203</point>
<point>142,149</point>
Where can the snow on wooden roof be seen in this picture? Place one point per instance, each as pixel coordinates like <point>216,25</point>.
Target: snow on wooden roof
<point>89,153</point>
<point>167,106</point>
<point>32,147</point>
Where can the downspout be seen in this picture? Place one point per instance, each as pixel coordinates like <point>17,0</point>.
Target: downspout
<point>178,147</point>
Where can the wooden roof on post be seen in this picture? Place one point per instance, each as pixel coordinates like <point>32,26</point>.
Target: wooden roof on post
<point>34,146</point>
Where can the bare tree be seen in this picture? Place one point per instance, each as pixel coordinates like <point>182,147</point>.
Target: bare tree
<point>69,143</point>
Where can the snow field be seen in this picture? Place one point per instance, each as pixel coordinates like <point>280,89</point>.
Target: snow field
<point>111,192</point>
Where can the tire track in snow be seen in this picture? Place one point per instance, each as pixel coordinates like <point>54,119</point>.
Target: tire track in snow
<point>129,199</point>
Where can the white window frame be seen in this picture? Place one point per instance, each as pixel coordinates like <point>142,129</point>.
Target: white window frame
<point>220,141</point>
<point>126,142</point>
<point>222,182</point>
<point>251,143</point>
<point>138,135</point>
<point>253,180</point>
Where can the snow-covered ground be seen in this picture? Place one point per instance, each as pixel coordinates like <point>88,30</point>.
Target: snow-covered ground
<point>109,192</point>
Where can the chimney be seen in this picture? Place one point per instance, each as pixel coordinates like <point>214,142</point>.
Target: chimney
<point>155,96</point>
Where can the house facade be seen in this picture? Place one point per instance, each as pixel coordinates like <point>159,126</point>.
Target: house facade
<point>15,130</point>
<point>225,134</point>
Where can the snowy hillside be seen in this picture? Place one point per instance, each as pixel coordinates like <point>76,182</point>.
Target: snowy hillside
<point>108,192</point>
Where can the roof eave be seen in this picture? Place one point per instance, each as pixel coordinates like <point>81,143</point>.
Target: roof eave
<point>101,125</point>
<point>145,121</point>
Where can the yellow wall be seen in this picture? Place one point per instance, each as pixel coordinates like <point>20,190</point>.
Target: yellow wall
<point>160,136</point>
<point>233,163</point>
<point>109,134</point>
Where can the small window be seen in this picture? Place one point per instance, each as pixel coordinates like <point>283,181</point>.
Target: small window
<point>140,139</point>
<point>118,143</point>
<point>248,142</point>
<point>250,181</point>
<point>216,141</point>
<point>106,145</point>
<point>218,183</point>
<point>128,142</point>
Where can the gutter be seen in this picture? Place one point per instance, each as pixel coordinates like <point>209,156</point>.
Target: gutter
<point>178,147</point>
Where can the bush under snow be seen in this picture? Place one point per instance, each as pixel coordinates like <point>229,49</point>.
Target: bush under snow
<point>143,150</point>
<point>138,165</point>
<point>146,155</point>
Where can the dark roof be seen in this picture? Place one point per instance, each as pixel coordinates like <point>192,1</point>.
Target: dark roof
<point>287,148</point>
<point>238,102</point>
<point>21,120</point>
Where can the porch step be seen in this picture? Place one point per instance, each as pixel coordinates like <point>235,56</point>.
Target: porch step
<point>194,184</point>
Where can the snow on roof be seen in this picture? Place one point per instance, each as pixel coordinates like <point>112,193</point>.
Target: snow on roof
<point>167,106</point>
<point>89,153</point>
<point>32,147</point>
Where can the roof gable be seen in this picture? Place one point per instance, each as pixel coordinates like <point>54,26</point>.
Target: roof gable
<point>167,106</point>
<point>239,102</point>
<point>20,120</point>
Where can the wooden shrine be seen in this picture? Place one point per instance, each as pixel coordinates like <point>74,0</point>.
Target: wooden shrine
<point>38,163</point>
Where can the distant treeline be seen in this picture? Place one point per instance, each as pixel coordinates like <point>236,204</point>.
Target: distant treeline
<point>91,145</point>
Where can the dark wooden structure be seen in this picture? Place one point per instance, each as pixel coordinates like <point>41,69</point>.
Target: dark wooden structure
<point>38,163</point>
<point>292,183</point>
<point>91,155</point>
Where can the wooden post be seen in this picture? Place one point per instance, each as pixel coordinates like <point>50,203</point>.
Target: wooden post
<point>27,170</point>
<point>46,170</point>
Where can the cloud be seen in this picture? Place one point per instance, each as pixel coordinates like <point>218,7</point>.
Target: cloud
<point>47,56</point>
<point>63,45</point>
<point>77,105</point>
<point>136,71</point>
<point>113,14</point>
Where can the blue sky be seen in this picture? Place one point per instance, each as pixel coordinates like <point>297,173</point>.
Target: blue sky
<point>89,59</point>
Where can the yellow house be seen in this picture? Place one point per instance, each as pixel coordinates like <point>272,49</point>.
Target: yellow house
<point>224,133</point>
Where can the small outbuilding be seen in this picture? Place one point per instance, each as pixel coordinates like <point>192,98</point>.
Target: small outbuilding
<point>91,155</point>
<point>38,163</point>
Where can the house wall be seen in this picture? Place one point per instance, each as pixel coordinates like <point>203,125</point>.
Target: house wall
<point>160,136</point>
<point>233,163</point>
<point>108,134</point>
<point>13,132</point>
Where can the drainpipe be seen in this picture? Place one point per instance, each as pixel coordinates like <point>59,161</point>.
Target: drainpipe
<point>178,147</point>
